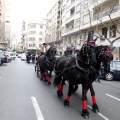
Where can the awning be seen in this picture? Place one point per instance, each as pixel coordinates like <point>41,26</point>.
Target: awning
<point>116,44</point>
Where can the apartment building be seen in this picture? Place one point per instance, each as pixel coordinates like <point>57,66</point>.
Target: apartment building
<point>7,24</point>
<point>33,35</point>
<point>54,25</point>
<point>80,17</point>
<point>2,24</point>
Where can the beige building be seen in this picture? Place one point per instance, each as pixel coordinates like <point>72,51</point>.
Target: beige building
<point>33,35</point>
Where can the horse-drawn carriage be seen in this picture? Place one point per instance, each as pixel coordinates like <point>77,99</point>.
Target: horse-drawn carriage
<point>77,69</point>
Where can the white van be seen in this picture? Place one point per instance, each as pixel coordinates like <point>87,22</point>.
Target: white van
<point>12,55</point>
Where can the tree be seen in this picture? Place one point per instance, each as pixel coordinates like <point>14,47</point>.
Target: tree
<point>112,28</point>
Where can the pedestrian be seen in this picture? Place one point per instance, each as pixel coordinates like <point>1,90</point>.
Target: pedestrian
<point>99,74</point>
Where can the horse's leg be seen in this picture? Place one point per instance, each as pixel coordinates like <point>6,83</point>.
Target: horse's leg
<point>94,106</point>
<point>42,72</point>
<point>56,82</point>
<point>70,91</point>
<point>85,112</point>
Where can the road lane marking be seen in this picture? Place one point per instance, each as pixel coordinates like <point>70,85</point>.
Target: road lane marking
<point>101,115</point>
<point>113,97</point>
<point>37,109</point>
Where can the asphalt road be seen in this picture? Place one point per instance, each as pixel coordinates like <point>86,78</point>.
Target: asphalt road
<point>23,96</point>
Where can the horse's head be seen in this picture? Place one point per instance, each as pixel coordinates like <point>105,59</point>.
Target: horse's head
<point>51,52</point>
<point>89,53</point>
<point>105,56</point>
<point>68,51</point>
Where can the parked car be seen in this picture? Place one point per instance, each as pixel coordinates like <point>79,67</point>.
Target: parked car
<point>23,56</point>
<point>8,57</point>
<point>19,55</point>
<point>12,55</point>
<point>3,57</point>
<point>114,71</point>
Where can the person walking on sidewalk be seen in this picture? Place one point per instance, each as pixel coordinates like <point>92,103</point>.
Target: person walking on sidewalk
<point>99,74</point>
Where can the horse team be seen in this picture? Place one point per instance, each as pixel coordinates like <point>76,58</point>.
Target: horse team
<point>82,68</point>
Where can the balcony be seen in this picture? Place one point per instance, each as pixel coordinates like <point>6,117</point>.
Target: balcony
<point>99,3</point>
<point>103,14</point>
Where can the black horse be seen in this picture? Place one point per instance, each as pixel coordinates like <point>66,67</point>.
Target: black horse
<point>46,64</point>
<point>75,70</point>
<point>103,56</point>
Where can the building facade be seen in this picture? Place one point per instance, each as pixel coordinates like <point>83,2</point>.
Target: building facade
<point>54,25</point>
<point>5,27</point>
<point>95,17</point>
<point>33,35</point>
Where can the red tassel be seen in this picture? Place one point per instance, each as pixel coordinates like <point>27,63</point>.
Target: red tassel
<point>94,99</point>
<point>47,78</point>
<point>41,75</point>
<point>68,98</point>
<point>59,88</point>
<point>84,105</point>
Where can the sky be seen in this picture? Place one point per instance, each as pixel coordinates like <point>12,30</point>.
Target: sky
<point>28,10</point>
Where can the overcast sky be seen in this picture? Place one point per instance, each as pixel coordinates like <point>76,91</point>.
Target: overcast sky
<point>28,9</point>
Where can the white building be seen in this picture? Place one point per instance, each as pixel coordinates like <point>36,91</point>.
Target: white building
<point>33,35</point>
<point>4,24</point>
<point>81,17</point>
<point>54,25</point>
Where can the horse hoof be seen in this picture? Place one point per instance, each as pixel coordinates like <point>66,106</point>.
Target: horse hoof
<point>95,108</point>
<point>66,103</point>
<point>59,93</point>
<point>49,83</point>
<point>85,114</point>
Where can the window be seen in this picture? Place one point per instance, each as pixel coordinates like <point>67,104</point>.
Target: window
<point>32,33</point>
<point>31,45</point>
<point>40,39</point>
<point>41,26</point>
<point>78,8</point>
<point>104,32</point>
<point>32,39</point>
<point>40,33</point>
<point>32,26</point>
<point>77,24</point>
<point>86,18</point>
<point>72,11</point>
<point>113,31</point>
